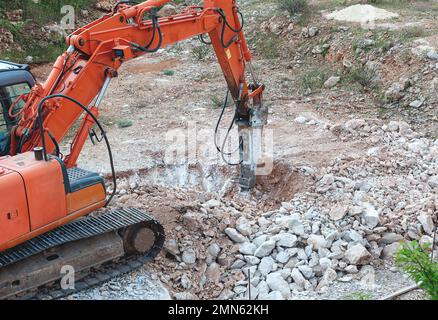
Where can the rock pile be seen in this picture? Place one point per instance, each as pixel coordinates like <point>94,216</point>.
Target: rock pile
<point>355,214</point>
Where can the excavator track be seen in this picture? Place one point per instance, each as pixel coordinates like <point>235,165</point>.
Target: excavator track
<point>97,248</point>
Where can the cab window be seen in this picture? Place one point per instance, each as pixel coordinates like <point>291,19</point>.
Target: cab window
<point>8,94</point>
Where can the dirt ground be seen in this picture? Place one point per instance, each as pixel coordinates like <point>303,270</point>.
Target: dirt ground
<point>160,106</point>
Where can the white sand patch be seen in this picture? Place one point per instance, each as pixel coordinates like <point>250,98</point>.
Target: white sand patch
<point>361,13</point>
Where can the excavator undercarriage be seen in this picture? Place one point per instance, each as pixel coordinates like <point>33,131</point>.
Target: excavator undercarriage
<point>80,245</point>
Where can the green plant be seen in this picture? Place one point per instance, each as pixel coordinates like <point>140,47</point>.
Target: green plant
<point>313,79</point>
<point>411,33</point>
<point>168,72</point>
<point>293,7</point>
<point>43,10</point>
<point>414,259</point>
<point>27,33</point>
<point>123,123</point>
<point>269,46</point>
<point>363,76</point>
<point>201,52</point>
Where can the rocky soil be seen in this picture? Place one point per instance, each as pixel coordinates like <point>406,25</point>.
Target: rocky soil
<point>353,116</point>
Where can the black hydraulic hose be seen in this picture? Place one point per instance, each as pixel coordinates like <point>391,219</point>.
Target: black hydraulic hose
<point>225,141</point>
<point>221,149</point>
<point>218,123</point>
<point>43,140</point>
<point>156,27</point>
<point>201,38</point>
<point>226,24</point>
<point>57,149</point>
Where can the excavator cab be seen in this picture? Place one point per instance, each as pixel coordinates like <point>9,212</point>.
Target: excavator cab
<point>43,192</point>
<point>15,79</point>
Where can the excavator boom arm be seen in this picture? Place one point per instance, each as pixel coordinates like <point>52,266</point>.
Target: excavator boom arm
<point>98,50</point>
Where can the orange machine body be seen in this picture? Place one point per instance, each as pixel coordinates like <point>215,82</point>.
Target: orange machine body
<point>37,197</point>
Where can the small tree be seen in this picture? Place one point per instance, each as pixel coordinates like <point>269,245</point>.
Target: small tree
<point>293,6</point>
<point>414,259</point>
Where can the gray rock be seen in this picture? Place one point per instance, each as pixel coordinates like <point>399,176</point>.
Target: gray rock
<point>329,276</point>
<point>416,104</point>
<point>358,255</point>
<point>338,212</point>
<point>353,236</point>
<point>317,241</point>
<point>191,220</point>
<point>171,246</point>
<point>295,225</point>
<point>425,240</point>
<point>213,203</point>
<point>370,215</point>
<point>189,256</point>
<point>354,124</point>
<point>240,289</point>
<point>234,235</point>
<point>167,10</point>
<point>282,257</point>
<point>389,250</point>
<point>247,248</point>
<point>432,54</point>
<point>394,92</point>
<point>251,260</point>
<point>263,288</point>
<point>298,278</point>
<point>274,295</point>
<point>185,296</point>
<point>351,269</point>
<point>243,226</point>
<point>306,271</point>
<point>238,264</point>
<point>254,293</point>
<point>433,182</point>
<point>287,240</point>
<point>313,31</point>
<point>325,263</point>
<point>391,237</point>
<point>266,265</point>
<point>186,283</point>
<point>213,273</point>
<point>331,82</point>
<point>301,120</point>
<point>276,282</point>
<point>418,145</point>
<point>426,222</point>
<point>259,240</point>
<point>265,249</point>
<point>214,249</point>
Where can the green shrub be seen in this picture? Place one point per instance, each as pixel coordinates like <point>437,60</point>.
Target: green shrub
<point>414,259</point>
<point>123,123</point>
<point>293,6</point>
<point>201,52</point>
<point>168,72</point>
<point>269,46</point>
<point>313,79</point>
<point>363,76</point>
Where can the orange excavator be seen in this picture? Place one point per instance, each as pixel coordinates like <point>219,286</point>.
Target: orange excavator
<point>48,204</point>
